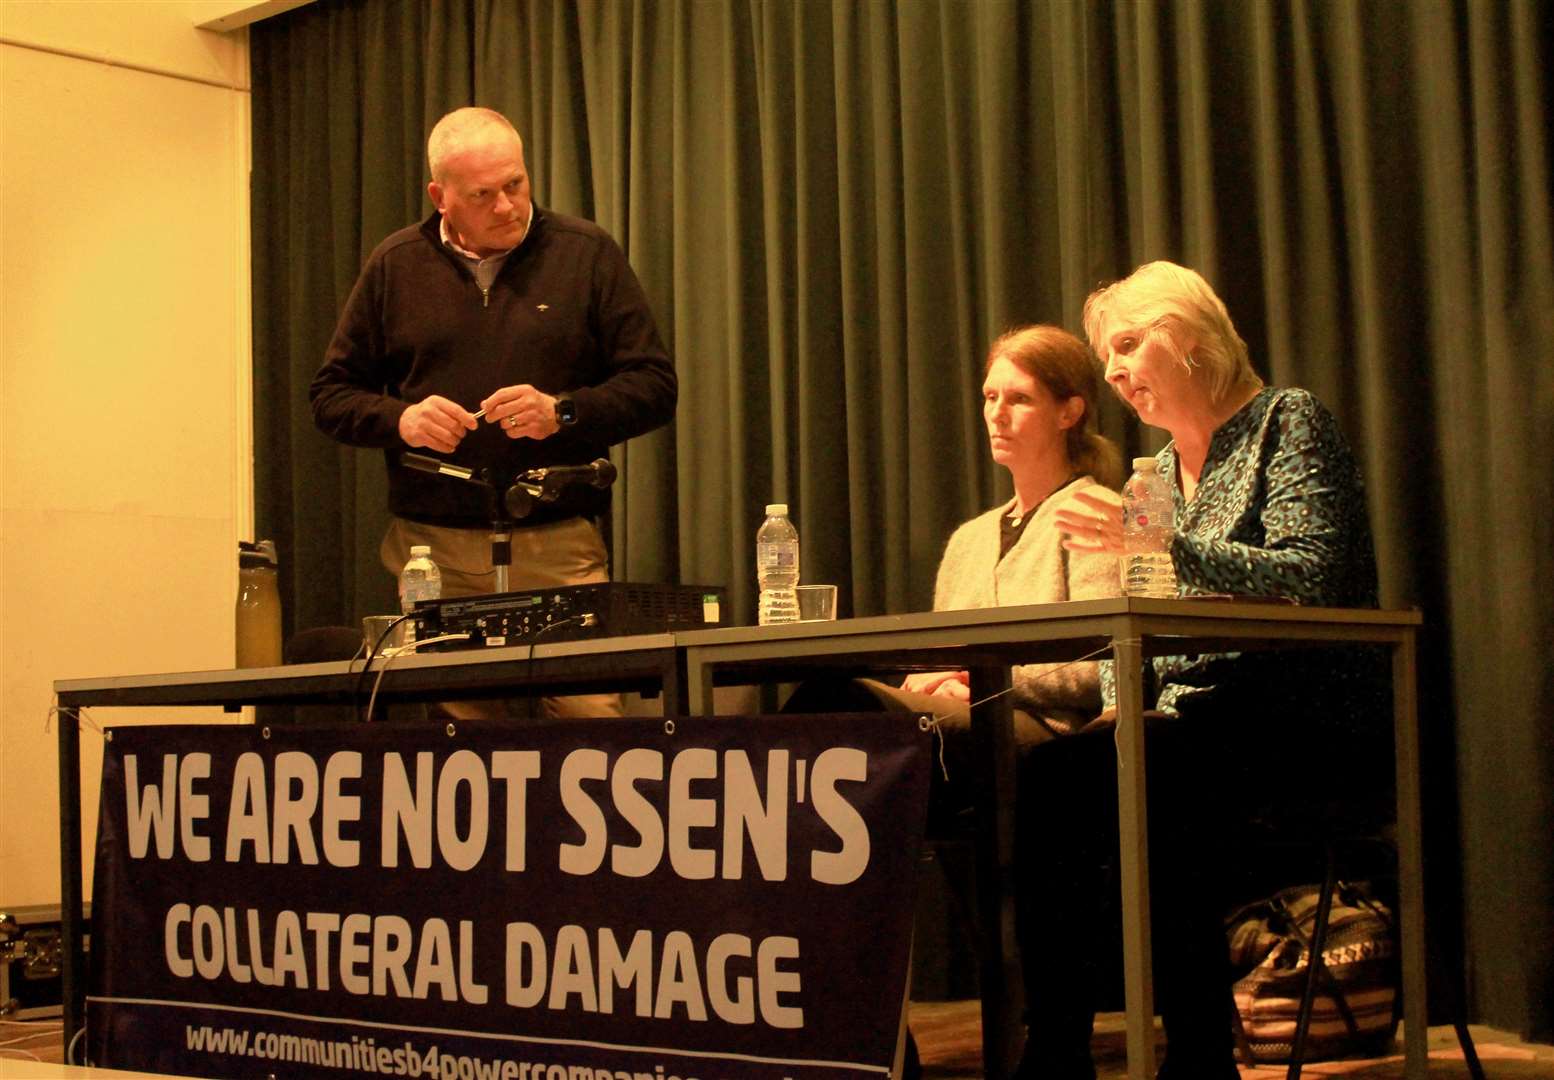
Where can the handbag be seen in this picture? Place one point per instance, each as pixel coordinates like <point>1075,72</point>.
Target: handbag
<point>1355,1007</point>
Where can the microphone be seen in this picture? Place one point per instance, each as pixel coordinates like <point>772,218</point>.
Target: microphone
<point>436,465</point>
<point>599,473</point>
<point>528,488</point>
<point>545,485</point>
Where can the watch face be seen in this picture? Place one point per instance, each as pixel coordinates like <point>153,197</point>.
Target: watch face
<point>566,411</point>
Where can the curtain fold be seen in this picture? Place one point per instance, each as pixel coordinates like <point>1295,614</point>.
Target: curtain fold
<point>835,206</point>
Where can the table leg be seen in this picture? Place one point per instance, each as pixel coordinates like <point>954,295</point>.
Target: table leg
<point>1405,727</point>
<point>992,726</point>
<point>73,962</point>
<point>698,686</point>
<point>1133,839</point>
<point>675,696</point>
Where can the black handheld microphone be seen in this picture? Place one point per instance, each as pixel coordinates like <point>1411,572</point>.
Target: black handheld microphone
<point>599,473</point>
<point>535,485</point>
<point>545,485</point>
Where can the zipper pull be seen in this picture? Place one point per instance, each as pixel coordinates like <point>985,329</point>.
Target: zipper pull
<point>485,298</point>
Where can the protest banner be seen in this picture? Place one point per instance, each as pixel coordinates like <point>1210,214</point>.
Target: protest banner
<point>577,900</point>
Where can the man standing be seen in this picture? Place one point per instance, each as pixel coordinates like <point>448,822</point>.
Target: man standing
<point>493,304</point>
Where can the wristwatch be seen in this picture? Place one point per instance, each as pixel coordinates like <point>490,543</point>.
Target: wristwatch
<point>566,410</point>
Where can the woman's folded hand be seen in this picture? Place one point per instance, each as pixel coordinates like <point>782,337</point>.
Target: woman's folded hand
<point>955,685</point>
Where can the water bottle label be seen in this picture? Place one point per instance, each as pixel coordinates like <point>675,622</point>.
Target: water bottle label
<point>776,556</point>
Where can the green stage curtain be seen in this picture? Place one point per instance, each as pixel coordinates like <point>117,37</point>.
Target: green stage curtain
<point>835,206</point>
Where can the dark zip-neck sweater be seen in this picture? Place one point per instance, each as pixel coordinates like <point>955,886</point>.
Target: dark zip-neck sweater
<point>565,313</point>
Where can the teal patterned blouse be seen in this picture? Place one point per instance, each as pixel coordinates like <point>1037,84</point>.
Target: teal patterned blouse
<point>1279,512</point>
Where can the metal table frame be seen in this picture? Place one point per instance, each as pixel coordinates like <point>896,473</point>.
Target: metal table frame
<point>685,667</point>
<point>985,642</point>
<point>648,662</point>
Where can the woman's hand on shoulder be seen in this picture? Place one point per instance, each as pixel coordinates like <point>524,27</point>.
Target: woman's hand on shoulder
<point>1090,519</point>
<point>955,685</point>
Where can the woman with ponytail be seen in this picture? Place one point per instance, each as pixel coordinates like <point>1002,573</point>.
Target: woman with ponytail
<point>1038,400</point>
<point>1039,387</point>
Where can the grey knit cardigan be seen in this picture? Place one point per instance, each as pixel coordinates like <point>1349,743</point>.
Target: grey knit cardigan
<point>1037,570</point>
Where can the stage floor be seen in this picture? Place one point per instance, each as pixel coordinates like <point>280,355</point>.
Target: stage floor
<point>949,1038</point>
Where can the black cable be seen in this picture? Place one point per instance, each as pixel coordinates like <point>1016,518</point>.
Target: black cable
<point>372,653</point>
<point>409,647</point>
<point>587,618</point>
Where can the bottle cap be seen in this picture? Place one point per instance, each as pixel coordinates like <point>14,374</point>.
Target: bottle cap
<point>420,549</point>
<point>1145,463</point>
<point>257,555</point>
<point>776,508</point>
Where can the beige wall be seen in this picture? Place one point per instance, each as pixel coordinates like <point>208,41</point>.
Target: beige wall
<point>126,477</point>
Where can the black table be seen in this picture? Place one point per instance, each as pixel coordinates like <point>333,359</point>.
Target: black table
<point>986,642</point>
<point>645,663</point>
<point>686,666</point>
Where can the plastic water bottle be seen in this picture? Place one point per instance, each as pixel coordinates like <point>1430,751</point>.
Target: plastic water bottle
<point>419,580</point>
<point>777,567</point>
<point>1148,521</point>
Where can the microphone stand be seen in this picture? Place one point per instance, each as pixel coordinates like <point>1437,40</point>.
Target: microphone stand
<point>508,508</point>
<point>510,502</point>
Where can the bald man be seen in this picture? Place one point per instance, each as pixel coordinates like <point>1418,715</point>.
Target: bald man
<point>494,308</point>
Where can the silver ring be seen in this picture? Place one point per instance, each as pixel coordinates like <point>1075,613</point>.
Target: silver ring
<point>511,421</point>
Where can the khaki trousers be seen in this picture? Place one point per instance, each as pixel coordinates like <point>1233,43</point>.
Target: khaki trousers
<point>569,552</point>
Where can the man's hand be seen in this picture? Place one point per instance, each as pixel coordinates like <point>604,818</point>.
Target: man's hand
<point>523,412</point>
<point>435,423</point>
<point>955,685</point>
